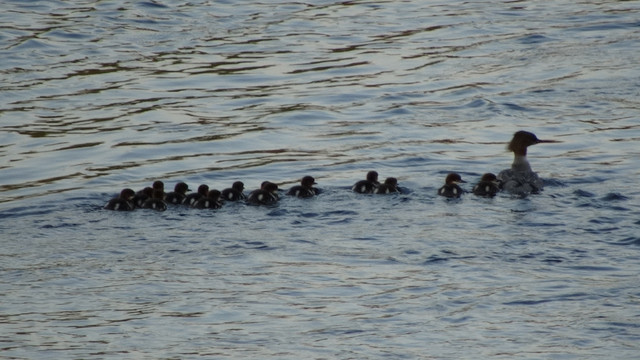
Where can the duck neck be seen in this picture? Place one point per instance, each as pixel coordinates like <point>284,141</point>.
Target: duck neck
<point>520,163</point>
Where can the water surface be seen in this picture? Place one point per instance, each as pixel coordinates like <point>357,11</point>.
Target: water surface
<point>97,96</point>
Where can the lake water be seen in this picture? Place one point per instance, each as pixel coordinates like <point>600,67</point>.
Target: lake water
<point>98,96</point>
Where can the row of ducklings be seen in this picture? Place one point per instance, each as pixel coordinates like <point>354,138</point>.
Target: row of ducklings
<point>488,186</point>
<point>156,198</point>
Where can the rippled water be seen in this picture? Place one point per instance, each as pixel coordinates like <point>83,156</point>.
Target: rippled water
<point>97,96</point>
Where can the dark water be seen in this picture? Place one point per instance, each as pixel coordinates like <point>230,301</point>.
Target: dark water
<point>97,96</point>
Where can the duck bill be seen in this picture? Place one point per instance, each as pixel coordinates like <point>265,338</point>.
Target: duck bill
<point>547,141</point>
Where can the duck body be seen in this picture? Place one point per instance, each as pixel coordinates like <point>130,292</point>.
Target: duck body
<point>451,191</point>
<point>520,182</point>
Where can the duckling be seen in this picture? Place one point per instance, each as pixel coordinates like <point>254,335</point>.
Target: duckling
<point>451,188</point>
<point>122,202</point>
<point>367,186</point>
<point>212,201</point>
<point>390,185</point>
<point>488,186</point>
<point>305,189</point>
<point>266,195</point>
<point>234,193</point>
<point>178,194</point>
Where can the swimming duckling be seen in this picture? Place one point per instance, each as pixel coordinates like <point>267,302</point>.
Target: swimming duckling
<point>147,193</point>
<point>488,186</point>
<point>122,202</point>
<point>212,201</point>
<point>390,185</point>
<point>193,198</point>
<point>178,194</point>
<point>367,186</point>
<point>266,195</point>
<point>451,188</point>
<point>142,195</point>
<point>234,193</point>
<point>305,189</point>
<point>156,202</point>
